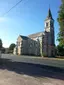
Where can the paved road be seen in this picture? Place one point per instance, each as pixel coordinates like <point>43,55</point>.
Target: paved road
<point>35,60</point>
<point>32,66</point>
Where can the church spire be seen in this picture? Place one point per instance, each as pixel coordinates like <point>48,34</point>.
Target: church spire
<point>49,14</point>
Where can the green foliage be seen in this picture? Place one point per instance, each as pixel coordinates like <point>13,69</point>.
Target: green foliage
<point>60,50</point>
<point>61,24</point>
<point>11,48</point>
<point>0,44</point>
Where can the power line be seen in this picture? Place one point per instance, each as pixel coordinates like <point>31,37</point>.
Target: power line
<point>12,8</point>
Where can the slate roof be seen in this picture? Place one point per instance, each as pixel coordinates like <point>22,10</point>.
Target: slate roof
<point>35,35</point>
<point>32,35</point>
<point>24,37</point>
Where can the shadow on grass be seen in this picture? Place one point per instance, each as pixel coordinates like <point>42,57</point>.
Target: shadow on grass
<point>35,70</point>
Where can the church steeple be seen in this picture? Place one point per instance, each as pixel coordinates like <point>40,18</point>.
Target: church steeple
<point>49,43</point>
<point>49,14</point>
<point>49,22</point>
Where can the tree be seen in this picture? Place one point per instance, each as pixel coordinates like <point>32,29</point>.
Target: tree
<point>11,47</point>
<point>61,24</point>
<point>60,50</point>
<point>60,47</point>
<point>0,44</point>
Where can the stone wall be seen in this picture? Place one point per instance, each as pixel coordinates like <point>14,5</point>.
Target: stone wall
<point>27,47</point>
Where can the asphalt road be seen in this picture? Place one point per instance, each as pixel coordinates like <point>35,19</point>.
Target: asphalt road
<point>33,66</point>
<point>36,60</point>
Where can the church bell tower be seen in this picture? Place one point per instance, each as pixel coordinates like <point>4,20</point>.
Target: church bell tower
<point>49,43</point>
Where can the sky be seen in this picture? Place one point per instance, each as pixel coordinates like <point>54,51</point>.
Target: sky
<point>26,18</point>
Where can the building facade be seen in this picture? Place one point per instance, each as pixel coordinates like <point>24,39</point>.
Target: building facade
<point>41,43</point>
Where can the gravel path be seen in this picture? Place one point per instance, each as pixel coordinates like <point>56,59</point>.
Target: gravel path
<point>12,78</point>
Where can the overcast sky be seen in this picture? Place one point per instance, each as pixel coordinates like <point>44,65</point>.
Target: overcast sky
<point>26,18</point>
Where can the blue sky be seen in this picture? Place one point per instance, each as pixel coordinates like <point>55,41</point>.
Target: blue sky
<point>26,18</point>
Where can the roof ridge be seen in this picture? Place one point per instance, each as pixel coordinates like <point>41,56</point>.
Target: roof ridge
<point>36,33</point>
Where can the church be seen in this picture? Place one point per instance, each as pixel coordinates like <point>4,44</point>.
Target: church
<point>39,44</point>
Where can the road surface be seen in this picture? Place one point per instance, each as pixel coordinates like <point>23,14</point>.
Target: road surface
<point>28,70</point>
<point>36,60</point>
